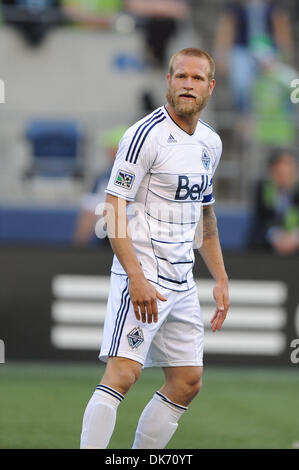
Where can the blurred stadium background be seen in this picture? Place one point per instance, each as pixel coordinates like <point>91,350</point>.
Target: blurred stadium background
<point>74,73</point>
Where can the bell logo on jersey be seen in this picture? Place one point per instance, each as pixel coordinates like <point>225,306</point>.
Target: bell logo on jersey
<point>135,337</point>
<point>124,179</point>
<point>185,191</point>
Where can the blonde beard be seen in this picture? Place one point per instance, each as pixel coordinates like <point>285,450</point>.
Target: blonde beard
<point>187,109</point>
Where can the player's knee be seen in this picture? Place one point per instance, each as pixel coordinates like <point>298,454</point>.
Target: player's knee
<point>129,376</point>
<point>191,387</point>
<point>197,386</point>
<point>186,390</point>
<point>125,378</point>
<point>121,374</point>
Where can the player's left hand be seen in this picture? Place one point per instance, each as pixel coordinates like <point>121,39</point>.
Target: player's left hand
<point>221,297</point>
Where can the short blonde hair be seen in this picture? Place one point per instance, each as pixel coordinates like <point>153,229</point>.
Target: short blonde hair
<point>194,52</point>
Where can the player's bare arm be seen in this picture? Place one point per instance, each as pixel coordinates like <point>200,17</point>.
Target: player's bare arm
<point>142,293</point>
<point>211,253</point>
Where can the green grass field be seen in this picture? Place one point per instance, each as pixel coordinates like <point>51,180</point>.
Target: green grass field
<point>42,407</point>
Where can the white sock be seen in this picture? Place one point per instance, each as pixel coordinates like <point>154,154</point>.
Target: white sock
<point>158,422</point>
<point>99,418</point>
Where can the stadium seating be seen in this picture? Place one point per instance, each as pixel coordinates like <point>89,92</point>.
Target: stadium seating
<point>56,148</point>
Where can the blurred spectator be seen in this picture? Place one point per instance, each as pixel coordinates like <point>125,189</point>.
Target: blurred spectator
<point>93,13</point>
<point>87,218</point>
<point>32,18</point>
<point>276,212</point>
<point>248,31</point>
<point>274,113</point>
<point>159,25</point>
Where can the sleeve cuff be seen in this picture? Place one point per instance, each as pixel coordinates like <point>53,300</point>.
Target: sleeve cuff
<point>207,202</point>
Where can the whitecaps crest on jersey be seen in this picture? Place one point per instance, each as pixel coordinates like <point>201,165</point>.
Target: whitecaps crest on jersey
<point>206,159</point>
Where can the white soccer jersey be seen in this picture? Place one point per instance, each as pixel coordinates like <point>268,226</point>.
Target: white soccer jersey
<point>167,173</point>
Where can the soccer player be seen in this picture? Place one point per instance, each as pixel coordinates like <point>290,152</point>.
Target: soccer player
<point>159,199</point>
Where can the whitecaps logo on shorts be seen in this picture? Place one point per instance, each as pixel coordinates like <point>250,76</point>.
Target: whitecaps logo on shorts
<point>135,337</point>
<point>124,179</point>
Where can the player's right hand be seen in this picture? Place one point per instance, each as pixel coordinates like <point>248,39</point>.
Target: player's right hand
<point>144,299</point>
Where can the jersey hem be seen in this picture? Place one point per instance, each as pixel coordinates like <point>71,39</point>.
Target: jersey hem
<point>158,284</point>
<point>119,274</point>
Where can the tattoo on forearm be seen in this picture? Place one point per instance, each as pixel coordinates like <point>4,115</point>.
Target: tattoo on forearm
<point>209,223</point>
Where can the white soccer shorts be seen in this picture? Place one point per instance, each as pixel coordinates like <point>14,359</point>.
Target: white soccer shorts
<point>175,340</point>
